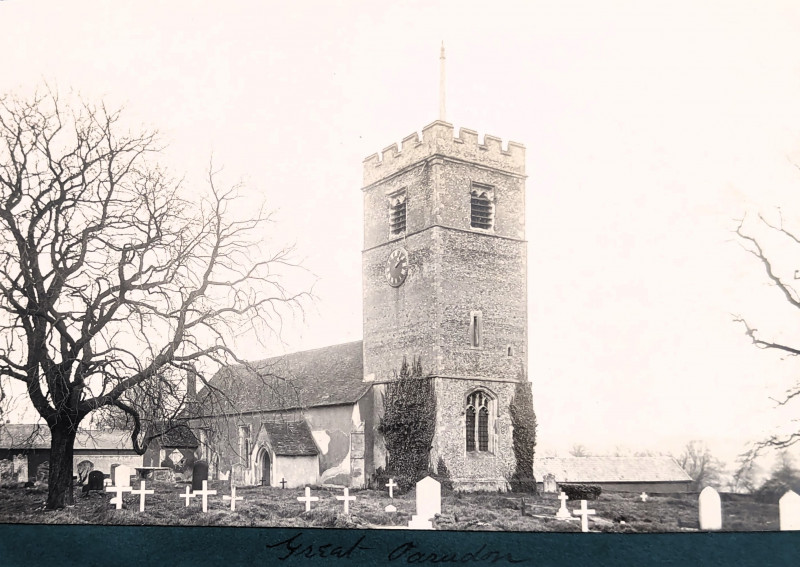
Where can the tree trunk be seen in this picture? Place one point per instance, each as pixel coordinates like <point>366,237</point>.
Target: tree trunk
<point>61,448</point>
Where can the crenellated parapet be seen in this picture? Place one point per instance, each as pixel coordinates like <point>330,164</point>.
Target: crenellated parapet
<point>438,139</point>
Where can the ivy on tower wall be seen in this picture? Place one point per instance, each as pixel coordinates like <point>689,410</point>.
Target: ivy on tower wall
<point>408,424</point>
<point>523,419</point>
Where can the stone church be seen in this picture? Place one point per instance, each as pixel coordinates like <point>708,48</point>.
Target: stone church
<point>444,278</point>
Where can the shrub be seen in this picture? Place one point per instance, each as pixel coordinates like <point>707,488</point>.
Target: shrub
<point>581,491</point>
<point>408,424</point>
<point>443,475</point>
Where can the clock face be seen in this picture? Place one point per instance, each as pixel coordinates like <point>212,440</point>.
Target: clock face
<point>396,267</point>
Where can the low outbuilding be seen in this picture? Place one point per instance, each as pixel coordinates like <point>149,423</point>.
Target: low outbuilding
<point>660,474</point>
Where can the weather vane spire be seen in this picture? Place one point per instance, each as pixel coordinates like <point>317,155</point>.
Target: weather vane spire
<point>441,84</point>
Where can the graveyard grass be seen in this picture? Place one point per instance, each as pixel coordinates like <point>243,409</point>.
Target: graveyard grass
<point>276,507</point>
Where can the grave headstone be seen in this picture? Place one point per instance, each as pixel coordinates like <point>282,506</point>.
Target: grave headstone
<point>96,479</point>
<point>563,513</point>
<point>114,468</point>
<point>710,509</point>
<point>119,490</point>
<point>391,484</point>
<point>390,508</point>
<point>237,475</point>
<point>584,513</point>
<point>789,506</point>
<point>346,498</point>
<point>429,503</point>
<point>199,475</point>
<point>204,494</point>
<point>308,499</point>
<point>233,498</point>
<point>123,477</point>
<point>283,483</point>
<point>549,483</point>
<point>188,495</point>
<point>142,493</point>
<point>644,496</point>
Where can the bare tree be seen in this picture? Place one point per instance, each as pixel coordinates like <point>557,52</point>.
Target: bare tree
<point>111,284</point>
<point>578,450</point>
<point>773,248</point>
<point>698,462</point>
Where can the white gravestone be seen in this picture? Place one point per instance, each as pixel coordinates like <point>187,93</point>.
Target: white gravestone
<point>347,498</point>
<point>563,513</point>
<point>789,506</point>
<point>308,499</point>
<point>644,496</point>
<point>429,504</point>
<point>710,509</point>
<point>142,493</point>
<point>118,498</point>
<point>584,513</point>
<point>391,484</point>
<point>205,493</point>
<point>549,483</point>
<point>233,498</point>
<point>122,476</point>
<point>187,495</point>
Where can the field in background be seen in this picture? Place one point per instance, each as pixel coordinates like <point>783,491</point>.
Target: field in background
<point>275,507</point>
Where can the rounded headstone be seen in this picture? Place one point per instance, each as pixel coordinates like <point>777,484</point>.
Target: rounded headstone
<point>710,509</point>
<point>789,506</point>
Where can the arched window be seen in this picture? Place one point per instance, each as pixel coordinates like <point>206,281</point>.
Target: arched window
<point>470,428</point>
<point>477,421</point>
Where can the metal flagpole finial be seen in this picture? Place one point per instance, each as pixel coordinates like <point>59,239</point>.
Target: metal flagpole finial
<point>441,84</point>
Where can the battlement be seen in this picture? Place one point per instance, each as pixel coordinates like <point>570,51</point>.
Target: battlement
<point>438,138</point>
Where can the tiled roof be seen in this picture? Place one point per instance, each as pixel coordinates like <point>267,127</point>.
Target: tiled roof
<point>610,469</point>
<point>37,436</point>
<point>290,438</point>
<point>176,435</point>
<point>321,377</point>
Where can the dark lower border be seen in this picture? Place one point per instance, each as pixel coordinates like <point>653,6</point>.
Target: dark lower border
<point>206,546</point>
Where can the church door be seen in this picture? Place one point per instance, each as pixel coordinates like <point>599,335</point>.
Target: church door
<point>265,469</point>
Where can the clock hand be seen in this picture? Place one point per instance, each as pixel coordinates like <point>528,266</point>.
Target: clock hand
<point>398,262</point>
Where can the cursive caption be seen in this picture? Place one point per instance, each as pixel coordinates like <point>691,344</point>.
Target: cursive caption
<point>407,552</point>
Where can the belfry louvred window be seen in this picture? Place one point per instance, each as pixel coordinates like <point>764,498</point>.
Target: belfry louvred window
<point>482,207</point>
<point>397,213</point>
<point>477,421</point>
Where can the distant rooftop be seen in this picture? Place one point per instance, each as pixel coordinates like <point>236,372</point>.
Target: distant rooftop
<point>37,436</point>
<point>610,469</point>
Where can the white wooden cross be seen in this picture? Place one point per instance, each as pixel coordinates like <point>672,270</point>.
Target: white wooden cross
<point>391,484</point>
<point>346,499</point>
<point>142,492</point>
<point>643,496</point>
<point>584,513</point>
<point>189,494</point>
<point>205,493</point>
<point>308,499</point>
<point>233,498</point>
<point>118,498</point>
<point>563,513</point>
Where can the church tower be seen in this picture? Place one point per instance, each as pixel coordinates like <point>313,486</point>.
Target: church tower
<point>445,278</point>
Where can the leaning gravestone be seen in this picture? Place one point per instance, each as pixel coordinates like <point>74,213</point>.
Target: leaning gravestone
<point>95,480</point>
<point>199,474</point>
<point>789,506</point>
<point>429,503</point>
<point>710,509</point>
<point>549,483</point>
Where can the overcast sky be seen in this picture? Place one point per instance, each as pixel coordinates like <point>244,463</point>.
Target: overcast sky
<point>649,127</point>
